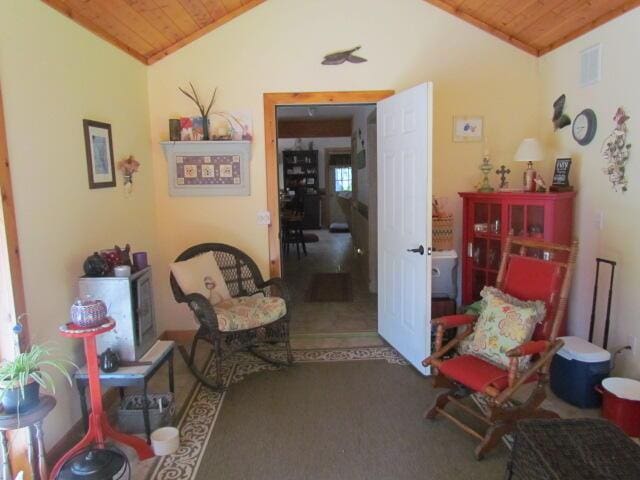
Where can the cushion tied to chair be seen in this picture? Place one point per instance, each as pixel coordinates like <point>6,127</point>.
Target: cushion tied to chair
<point>243,313</point>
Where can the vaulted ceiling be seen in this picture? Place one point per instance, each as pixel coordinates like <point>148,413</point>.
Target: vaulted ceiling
<point>536,26</point>
<point>152,29</point>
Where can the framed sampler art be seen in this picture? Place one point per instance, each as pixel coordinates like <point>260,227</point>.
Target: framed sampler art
<point>208,167</point>
<point>99,149</point>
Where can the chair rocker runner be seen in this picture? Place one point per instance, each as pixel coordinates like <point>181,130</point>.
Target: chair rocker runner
<point>526,278</point>
<point>239,323</point>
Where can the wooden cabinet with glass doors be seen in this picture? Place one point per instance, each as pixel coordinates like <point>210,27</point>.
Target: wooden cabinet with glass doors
<point>489,217</point>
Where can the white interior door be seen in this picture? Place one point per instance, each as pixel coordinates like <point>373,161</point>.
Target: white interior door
<point>404,222</point>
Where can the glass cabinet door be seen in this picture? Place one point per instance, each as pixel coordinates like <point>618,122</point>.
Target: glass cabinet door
<point>526,221</point>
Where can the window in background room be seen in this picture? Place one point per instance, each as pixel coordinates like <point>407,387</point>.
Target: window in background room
<point>343,179</point>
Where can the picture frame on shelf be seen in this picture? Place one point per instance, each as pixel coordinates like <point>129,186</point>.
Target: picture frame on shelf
<point>99,150</point>
<point>468,128</point>
<point>560,182</point>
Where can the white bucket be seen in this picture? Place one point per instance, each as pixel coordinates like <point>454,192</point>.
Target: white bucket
<point>165,440</point>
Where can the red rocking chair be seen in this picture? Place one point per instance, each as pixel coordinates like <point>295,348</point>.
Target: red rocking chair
<point>526,277</point>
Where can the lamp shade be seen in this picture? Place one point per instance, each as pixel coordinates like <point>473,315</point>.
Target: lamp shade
<point>529,151</point>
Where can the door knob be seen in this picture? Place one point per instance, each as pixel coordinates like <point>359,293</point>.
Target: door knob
<point>419,250</point>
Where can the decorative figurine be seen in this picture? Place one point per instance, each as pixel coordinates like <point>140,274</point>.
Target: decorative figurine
<point>95,266</point>
<point>503,172</point>
<point>486,169</point>
<point>109,361</point>
<point>541,186</point>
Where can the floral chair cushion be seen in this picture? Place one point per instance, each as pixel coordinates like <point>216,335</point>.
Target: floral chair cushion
<point>505,323</point>
<point>243,313</point>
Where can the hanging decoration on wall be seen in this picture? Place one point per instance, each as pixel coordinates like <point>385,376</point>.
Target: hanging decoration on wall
<point>128,167</point>
<point>338,58</point>
<point>615,152</point>
<point>204,111</point>
<point>560,119</point>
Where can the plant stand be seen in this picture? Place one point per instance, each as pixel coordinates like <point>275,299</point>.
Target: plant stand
<point>99,427</point>
<point>31,419</point>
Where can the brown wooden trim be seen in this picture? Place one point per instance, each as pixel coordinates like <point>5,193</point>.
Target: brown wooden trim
<point>622,9</point>
<point>202,31</point>
<point>484,26</point>
<point>67,11</point>
<point>11,229</point>
<point>271,100</point>
<point>314,128</point>
<point>182,337</point>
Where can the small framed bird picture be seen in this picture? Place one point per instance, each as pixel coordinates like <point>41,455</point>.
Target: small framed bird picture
<point>468,129</point>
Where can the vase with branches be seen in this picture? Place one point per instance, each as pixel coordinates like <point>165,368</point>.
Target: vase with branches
<point>204,111</point>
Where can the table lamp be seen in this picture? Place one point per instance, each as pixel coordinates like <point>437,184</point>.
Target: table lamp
<point>529,151</point>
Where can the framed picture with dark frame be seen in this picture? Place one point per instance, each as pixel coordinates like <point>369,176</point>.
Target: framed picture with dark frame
<point>99,148</point>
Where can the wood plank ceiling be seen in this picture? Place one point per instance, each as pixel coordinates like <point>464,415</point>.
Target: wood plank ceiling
<point>536,26</point>
<point>152,29</point>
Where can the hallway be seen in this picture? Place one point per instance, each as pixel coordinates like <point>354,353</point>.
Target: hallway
<point>332,253</point>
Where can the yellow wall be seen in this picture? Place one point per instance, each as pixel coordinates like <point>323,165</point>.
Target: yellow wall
<point>54,73</point>
<point>278,46</point>
<point>559,73</point>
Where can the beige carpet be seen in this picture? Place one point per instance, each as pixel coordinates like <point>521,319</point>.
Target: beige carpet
<point>337,414</point>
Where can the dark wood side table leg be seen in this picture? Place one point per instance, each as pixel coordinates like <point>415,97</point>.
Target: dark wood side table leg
<point>145,412</point>
<point>82,390</point>
<point>171,376</point>
<point>4,451</point>
<point>42,455</point>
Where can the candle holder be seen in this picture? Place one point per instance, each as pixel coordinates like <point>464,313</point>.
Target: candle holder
<point>486,168</point>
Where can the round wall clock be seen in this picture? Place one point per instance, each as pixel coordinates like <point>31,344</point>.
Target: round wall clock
<point>584,126</point>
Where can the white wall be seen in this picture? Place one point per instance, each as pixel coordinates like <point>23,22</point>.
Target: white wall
<point>618,240</point>
<point>271,48</point>
<point>360,125</point>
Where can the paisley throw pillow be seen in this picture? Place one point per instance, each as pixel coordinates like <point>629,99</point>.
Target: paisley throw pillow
<point>505,323</point>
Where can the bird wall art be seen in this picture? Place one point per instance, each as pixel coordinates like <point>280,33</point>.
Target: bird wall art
<point>560,119</point>
<point>338,58</point>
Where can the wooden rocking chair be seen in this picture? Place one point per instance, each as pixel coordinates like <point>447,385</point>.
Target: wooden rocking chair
<point>244,280</point>
<point>527,278</point>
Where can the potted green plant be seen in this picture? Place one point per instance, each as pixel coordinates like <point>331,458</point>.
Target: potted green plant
<point>22,377</point>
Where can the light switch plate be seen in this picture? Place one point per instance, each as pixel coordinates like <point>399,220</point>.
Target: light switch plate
<point>264,218</point>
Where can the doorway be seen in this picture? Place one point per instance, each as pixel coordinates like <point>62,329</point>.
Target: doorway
<point>324,169</point>
<point>273,100</point>
<point>404,138</point>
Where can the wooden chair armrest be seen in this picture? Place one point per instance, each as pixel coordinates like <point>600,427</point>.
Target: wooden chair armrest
<point>541,366</point>
<point>453,321</point>
<point>529,348</point>
<point>279,285</point>
<point>441,351</point>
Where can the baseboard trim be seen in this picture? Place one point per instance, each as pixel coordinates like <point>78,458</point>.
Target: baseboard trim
<point>183,337</point>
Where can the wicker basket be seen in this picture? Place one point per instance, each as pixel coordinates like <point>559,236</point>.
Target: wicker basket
<point>442,233</point>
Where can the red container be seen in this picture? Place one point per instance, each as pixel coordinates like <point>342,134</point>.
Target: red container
<point>621,403</point>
